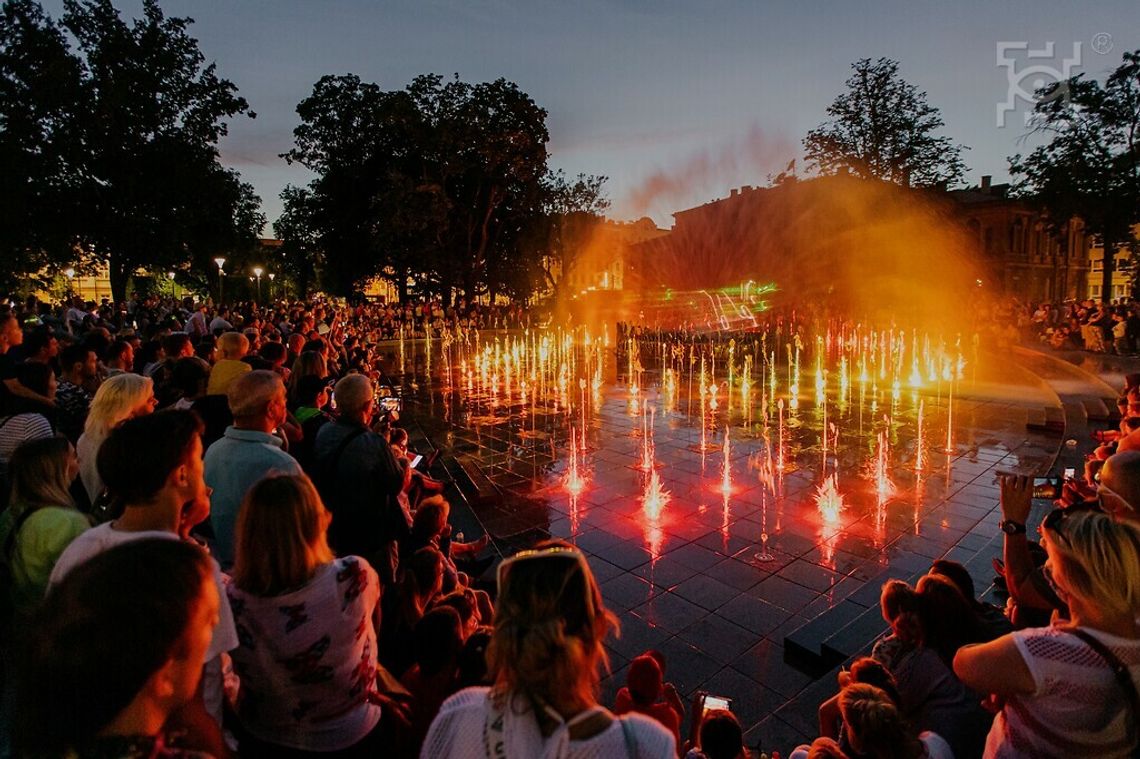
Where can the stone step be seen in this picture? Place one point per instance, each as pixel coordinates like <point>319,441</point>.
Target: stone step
<point>479,488</point>
<point>805,643</point>
<point>1097,410</point>
<point>856,637</point>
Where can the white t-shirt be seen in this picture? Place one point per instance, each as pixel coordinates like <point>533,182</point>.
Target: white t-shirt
<point>459,731</point>
<point>104,537</point>
<point>1078,708</point>
<point>307,659</point>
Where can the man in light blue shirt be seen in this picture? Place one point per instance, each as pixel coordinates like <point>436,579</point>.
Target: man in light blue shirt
<point>248,452</point>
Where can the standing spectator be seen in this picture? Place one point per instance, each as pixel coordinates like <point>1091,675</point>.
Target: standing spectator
<point>154,464</point>
<point>220,322</point>
<point>1069,689</point>
<point>117,653</point>
<point>11,338</point>
<point>121,397</point>
<point>248,451</point>
<point>120,358</point>
<point>232,348</point>
<point>78,367</point>
<point>32,423</point>
<point>312,395</point>
<point>308,649</point>
<point>196,325</point>
<point>41,519</point>
<point>360,480</point>
<point>550,624</point>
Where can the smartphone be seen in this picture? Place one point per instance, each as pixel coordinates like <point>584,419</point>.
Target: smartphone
<point>1047,487</point>
<point>1069,473</point>
<point>702,703</point>
<point>416,460</point>
<point>390,403</point>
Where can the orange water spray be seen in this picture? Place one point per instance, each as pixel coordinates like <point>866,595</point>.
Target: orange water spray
<point>829,501</point>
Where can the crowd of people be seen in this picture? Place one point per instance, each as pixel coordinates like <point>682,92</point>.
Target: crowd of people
<point>215,543</point>
<point>1075,325</point>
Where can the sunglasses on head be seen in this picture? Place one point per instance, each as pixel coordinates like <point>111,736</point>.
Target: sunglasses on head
<point>552,552</point>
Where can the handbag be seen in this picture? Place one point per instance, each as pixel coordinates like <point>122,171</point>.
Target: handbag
<point>1123,679</point>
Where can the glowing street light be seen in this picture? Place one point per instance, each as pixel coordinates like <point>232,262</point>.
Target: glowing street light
<point>173,285</point>
<point>257,272</point>
<point>70,274</point>
<point>272,276</point>
<point>221,262</point>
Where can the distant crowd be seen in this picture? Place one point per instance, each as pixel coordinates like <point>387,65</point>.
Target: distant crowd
<point>1077,325</point>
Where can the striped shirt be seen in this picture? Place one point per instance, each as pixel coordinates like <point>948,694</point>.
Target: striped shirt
<point>19,429</point>
<point>1078,709</point>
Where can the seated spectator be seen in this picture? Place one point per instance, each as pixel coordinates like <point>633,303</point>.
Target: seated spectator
<point>309,629</point>
<point>863,670</point>
<point>438,641</point>
<point>1064,690</point>
<point>117,653</point>
<point>545,653</point>
<point>647,693</point>
<point>719,737</point>
<point>153,464</point>
<point>930,696</point>
<point>121,397</point>
<point>247,452</point>
<point>359,479</point>
<point>403,609</point>
<point>78,369</point>
<point>232,348</point>
<point>41,520</point>
<point>825,748</point>
<point>874,727</point>
<point>992,621</point>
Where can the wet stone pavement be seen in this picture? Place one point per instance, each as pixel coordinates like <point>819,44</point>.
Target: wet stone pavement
<point>686,579</point>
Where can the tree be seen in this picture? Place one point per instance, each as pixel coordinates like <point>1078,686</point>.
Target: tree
<point>883,128</point>
<point>573,213</point>
<point>431,182</point>
<point>1090,168</point>
<point>124,138</point>
<point>300,244</point>
<point>39,85</point>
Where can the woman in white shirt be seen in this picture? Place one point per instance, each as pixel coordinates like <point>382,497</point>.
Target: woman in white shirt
<point>1057,690</point>
<point>544,659</point>
<point>306,625</point>
<point>119,398</point>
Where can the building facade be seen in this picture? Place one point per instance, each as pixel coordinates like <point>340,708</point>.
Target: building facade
<point>1020,254</point>
<point>1123,271</point>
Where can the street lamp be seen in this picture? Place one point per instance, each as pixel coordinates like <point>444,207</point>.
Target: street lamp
<point>173,286</point>
<point>272,276</point>
<point>220,261</point>
<point>257,272</point>
<point>70,274</point>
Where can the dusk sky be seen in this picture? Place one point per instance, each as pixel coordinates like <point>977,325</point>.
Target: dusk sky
<point>675,101</point>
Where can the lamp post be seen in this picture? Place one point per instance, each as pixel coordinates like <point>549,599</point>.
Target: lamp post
<point>257,272</point>
<point>272,277</point>
<point>70,274</point>
<point>173,285</point>
<point>220,261</point>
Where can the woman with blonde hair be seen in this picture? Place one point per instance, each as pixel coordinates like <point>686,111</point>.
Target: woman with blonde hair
<point>306,657</point>
<point>119,398</point>
<point>1070,689</point>
<point>875,728</point>
<point>544,659</point>
<point>41,519</point>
